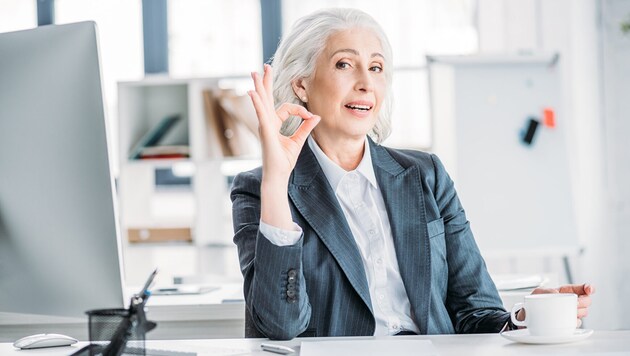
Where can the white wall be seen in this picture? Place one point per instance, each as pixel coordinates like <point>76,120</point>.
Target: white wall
<point>615,49</point>
<point>573,28</point>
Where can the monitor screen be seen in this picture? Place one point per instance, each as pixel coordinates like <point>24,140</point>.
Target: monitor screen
<point>59,241</point>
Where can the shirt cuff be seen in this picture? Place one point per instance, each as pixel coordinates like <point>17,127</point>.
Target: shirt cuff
<point>281,237</point>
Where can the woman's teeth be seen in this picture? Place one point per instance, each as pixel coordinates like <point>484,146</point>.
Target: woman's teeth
<point>359,107</point>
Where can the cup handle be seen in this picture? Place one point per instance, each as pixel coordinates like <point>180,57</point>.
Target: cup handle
<point>515,308</point>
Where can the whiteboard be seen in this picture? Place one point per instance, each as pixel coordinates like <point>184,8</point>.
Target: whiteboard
<point>516,196</point>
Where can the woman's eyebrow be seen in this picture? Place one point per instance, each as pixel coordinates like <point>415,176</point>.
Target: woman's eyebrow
<point>355,52</point>
<point>347,50</point>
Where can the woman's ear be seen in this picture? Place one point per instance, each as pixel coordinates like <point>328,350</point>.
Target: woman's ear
<point>299,88</point>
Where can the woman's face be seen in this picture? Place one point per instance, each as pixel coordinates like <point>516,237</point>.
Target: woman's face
<point>348,85</point>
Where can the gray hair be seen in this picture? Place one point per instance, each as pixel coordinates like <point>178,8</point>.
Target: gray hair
<point>297,54</point>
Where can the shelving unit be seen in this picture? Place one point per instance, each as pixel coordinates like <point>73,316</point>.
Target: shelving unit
<point>198,215</point>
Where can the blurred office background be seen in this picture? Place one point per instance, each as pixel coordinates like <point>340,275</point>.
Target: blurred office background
<point>175,211</point>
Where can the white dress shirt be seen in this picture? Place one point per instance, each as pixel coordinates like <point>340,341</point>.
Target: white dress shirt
<point>364,209</point>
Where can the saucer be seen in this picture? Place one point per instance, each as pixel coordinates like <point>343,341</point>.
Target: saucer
<point>523,336</point>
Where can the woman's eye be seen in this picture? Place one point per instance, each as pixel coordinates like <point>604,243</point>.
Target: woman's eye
<point>376,69</point>
<point>342,65</point>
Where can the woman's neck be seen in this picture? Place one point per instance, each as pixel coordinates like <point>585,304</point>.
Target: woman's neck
<point>347,153</point>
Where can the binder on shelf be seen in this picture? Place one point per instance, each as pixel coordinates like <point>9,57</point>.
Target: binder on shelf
<point>163,152</point>
<point>240,109</point>
<point>232,122</point>
<point>159,234</point>
<point>216,127</point>
<point>153,136</point>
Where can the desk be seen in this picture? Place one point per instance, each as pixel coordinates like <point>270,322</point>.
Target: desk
<point>178,317</point>
<point>600,342</point>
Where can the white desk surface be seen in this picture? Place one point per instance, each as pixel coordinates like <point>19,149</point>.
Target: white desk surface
<point>206,306</point>
<point>178,317</point>
<point>225,303</point>
<point>600,343</point>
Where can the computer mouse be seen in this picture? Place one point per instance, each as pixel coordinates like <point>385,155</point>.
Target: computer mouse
<point>44,340</point>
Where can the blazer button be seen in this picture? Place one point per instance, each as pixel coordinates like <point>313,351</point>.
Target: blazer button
<point>291,286</point>
<point>291,279</point>
<point>291,299</point>
<point>291,293</point>
<point>292,273</point>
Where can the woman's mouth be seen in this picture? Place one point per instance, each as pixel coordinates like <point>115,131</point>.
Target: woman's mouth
<point>359,107</point>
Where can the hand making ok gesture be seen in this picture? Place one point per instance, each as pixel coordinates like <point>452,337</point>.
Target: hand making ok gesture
<point>279,152</point>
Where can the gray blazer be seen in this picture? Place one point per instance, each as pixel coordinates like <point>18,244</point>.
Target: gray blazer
<point>318,286</point>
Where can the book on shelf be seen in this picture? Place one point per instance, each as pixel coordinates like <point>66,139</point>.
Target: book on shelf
<point>240,109</point>
<point>164,152</point>
<point>153,136</point>
<point>215,126</point>
<point>232,122</point>
<point>159,234</point>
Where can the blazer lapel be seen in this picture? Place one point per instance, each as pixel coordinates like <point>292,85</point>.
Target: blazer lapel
<point>402,193</point>
<point>313,197</point>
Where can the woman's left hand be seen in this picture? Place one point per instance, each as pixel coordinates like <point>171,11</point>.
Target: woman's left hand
<point>583,292</point>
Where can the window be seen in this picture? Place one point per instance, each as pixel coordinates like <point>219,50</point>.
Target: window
<point>17,15</point>
<point>214,37</point>
<point>120,42</point>
<point>414,29</point>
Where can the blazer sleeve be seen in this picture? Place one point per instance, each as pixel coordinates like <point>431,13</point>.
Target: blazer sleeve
<point>472,300</point>
<point>274,286</point>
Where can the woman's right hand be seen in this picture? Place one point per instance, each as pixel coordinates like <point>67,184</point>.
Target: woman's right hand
<point>279,152</point>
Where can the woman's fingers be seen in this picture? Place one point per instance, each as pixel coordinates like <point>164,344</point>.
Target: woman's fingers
<point>268,81</point>
<point>301,134</point>
<point>264,86</point>
<point>287,109</point>
<point>545,291</point>
<point>582,312</point>
<point>269,118</point>
<point>261,91</point>
<point>284,112</point>
<point>579,289</point>
<point>584,301</point>
<point>258,106</point>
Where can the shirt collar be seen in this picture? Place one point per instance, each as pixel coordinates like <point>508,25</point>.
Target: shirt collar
<point>334,173</point>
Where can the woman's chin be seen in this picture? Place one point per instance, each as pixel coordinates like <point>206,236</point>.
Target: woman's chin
<point>357,132</point>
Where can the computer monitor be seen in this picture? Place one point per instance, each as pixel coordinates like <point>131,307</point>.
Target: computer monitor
<point>59,241</point>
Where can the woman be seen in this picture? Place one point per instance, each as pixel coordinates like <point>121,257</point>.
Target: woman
<point>338,235</point>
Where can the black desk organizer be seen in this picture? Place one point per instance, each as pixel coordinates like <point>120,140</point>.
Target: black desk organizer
<point>115,332</point>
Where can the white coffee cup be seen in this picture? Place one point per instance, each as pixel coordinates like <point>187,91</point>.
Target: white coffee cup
<point>553,314</point>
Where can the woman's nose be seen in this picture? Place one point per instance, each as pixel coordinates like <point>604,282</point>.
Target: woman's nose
<point>364,81</point>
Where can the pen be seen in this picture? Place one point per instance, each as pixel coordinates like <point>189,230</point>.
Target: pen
<point>278,349</point>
